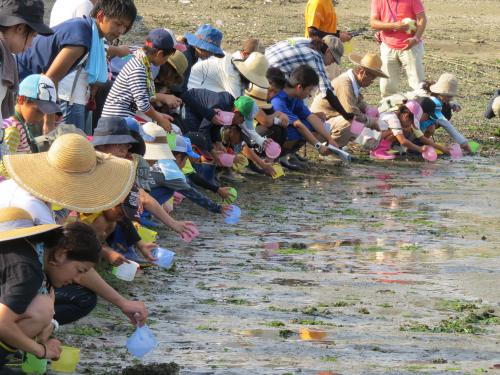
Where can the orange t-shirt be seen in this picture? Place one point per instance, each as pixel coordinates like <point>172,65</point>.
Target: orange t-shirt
<point>321,15</point>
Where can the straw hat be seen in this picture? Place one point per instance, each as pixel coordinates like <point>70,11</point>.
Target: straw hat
<point>254,69</point>
<point>179,62</point>
<point>259,95</point>
<point>158,148</point>
<point>495,107</point>
<point>17,223</point>
<point>446,85</point>
<point>73,175</point>
<point>371,62</point>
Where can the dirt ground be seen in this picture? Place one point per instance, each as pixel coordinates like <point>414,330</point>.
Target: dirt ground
<point>376,268</point>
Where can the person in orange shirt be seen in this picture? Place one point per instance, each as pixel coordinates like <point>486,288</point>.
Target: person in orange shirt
<point>321,20</point>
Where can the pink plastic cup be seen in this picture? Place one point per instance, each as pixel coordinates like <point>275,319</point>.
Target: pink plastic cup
<point>372,112</point>
<point>357,127</point>
<point>227,160</point>
<point>429,154</point>
<point>178,198</point>
<point>189,236</point>
<point>273,150</point>
<point>226,117</point>
<point>456,151</point>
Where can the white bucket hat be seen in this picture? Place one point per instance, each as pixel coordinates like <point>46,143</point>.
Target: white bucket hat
<point>254,69</point>
<point>446,85</point>
<point>157,148</point>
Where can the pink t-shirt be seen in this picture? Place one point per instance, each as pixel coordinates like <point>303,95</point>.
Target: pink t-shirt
<point>393,11</point>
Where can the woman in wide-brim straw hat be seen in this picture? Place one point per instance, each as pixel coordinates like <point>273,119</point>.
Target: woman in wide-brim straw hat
<point>73,175</point>
<point>35,259</point>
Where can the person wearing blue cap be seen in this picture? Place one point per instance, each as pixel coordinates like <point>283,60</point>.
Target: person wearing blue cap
<point>201,45</point>
<point>134,88</point>
<point>37,97</point>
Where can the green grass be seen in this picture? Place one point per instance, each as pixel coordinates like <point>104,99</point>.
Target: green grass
<point>274,324</point>
<point>208,301</point>
<point>84,331</point>
<point>329,359</point>
<point>311,322</point>
<point>455,305</point>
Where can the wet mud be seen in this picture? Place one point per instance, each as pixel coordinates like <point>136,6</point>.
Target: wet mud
<point>377,268</point>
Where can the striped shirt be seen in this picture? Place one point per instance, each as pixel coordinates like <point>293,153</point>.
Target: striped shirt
<point>289,54</point>
<point>129,92</point>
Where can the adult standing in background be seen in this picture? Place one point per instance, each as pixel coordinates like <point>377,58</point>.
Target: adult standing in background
<point>64,10</point>
<point>401,25</point>
<point>321,20</point>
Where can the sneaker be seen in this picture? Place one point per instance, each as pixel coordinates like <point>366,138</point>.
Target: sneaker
<point>300,158</point>
<point>295,159</point>
<point>288,163</point>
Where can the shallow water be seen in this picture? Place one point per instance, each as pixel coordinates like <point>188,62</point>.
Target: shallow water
<point>323,270</point>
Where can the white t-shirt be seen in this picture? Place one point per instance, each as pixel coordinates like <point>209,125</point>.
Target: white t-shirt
<point>3,92</point>
<point>64,10</point>
<point>393,121</point>
<point>216,74</point>
<point>12,195</point>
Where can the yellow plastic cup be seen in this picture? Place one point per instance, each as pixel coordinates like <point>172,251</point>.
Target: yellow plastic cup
<point>147,235</point>
<point>279,170</point>
<point>68,360</point>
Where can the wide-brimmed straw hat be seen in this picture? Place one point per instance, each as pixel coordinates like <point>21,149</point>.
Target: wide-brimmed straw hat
<point>73,175</point>
<point>254,69</point>
<point>157,148</point>
<point>371,62</point>
<point>446,85</point>
<point>17,223</point>
<point>259,95</point>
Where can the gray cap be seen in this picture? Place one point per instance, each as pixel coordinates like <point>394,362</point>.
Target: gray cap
<point>335,46</point>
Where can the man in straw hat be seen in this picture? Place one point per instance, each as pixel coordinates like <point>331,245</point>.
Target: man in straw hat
<point>74,176</point>
<point>401,25</point>
<point>493,107</point>
<point>289,54</point>
<point>348,88</point>
<point>234,76</point>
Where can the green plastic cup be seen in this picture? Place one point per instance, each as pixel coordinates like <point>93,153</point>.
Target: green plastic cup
<point>233,194</point>
<point>33,365</point>
<point>474,147</point>
<point>171,139</point>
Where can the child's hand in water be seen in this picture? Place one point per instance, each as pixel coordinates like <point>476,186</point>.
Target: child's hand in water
<point>224,192</point>
<point>225,209</point>
<point>268,168</point>
<point>146,249</point>
<point>114,257</point>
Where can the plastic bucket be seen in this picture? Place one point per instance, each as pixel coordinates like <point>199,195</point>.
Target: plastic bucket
<point>233,194</point>
<point>233,217</point>
<point>68,360</point>
<point>227,160</point>
<point>456,151</point>
<point>357,127</point>
<point>165,257</point>
<point>273,150</point>
<point>226,118</point>
<point>33,365</point>
<point>429,154</point>
<point>279,170</point>
<point>126,271</point>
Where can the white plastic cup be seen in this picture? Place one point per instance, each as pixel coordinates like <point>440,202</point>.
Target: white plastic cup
<point>126,271</point>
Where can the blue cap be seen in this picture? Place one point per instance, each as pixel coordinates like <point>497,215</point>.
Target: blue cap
<point>207,38</point>
<point>112,131</point>
<point>42,91</point>
<point>183,144</point>
<point>160,39</point>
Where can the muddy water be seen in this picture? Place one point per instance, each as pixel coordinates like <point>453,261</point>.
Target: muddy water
<point>323,273</point>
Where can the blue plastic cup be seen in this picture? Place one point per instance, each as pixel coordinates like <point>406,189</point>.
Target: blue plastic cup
<point>233,216</point>
<point>141,342</point>
<point>165,257</point>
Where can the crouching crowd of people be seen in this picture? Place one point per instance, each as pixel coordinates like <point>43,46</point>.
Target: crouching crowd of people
<point>99,141</point>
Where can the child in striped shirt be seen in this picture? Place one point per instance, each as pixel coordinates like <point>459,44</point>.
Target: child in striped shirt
<point>134,89</point>
<point>37,97</point>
